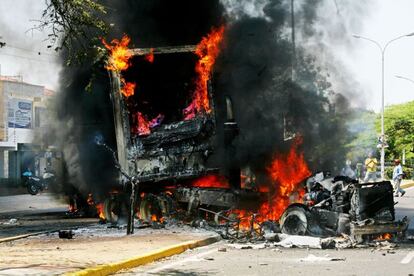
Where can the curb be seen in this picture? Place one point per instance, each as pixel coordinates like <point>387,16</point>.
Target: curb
<point>107,269</point>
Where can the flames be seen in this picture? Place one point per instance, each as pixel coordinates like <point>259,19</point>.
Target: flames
<point>100,210</point>
<point>287,171</point>
<point>384,237</point>
<point>150,57</point>
<point>207,51</point>
<point>119,61</point>
<point>211,181</point>
<point>142,126</point>
<point>99,207</point>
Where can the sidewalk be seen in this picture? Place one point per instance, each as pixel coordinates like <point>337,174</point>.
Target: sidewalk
<point>90,247</point>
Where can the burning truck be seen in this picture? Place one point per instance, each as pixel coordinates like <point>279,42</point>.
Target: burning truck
<point>175,154</point>
<point>167,130</point>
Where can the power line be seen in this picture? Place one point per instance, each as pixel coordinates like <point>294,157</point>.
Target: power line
<point>27,50</point>
<point>28,58</point>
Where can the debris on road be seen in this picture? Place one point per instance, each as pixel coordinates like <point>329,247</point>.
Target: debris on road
<point>12,221</point>
<point>66,234</point>
<point>312,259</point>
<point>288,241</point>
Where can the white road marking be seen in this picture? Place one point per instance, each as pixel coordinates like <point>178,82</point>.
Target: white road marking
<point>186,260</point>
<point>407,259</point>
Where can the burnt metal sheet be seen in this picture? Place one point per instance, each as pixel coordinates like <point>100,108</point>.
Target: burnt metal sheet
<point>163,50</point>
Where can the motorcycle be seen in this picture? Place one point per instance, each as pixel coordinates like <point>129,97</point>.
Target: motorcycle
<point>35,184</point>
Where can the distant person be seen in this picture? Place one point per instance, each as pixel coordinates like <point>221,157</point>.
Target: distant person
<point>371,168</point>
<point>397,176</point>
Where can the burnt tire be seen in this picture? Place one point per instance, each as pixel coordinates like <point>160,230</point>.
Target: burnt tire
<point>114,210</point>
<point>32,189</point>
<point>294,221</point>
<point>155,208</point>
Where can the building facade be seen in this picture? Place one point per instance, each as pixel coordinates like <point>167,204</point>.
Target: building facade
<point>22,113</point>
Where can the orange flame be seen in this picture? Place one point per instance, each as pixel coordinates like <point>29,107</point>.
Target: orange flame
<point>100,210</point>
<point>119,54</point>
<point>383,237</point>
<point>128,88</point>
<point>120,61</point>
<point>211,181</point>
<point>142,126</point>
<point>288,171</point>
<point>99,207</point>
<point>207,51</point>
<point>154,217</point>
<point>72,208</point>
<point>150,57</point>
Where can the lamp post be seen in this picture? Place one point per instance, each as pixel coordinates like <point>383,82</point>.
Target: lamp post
<point>404,78</point>
<point>383,49</point>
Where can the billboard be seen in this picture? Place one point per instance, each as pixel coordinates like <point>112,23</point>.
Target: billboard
<point>20,113</point>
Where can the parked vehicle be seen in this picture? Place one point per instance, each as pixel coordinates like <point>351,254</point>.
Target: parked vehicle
<point>36,184</point>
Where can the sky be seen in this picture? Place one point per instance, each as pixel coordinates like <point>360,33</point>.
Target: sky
<point>26,52</point>
<point>388,20</point>
<point>384,21</point>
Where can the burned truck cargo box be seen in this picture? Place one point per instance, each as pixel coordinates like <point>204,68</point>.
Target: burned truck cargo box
<point>158,139</point>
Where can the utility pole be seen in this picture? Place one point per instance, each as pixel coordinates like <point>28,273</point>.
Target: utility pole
<point>292,13</point>
<point>382,50</point>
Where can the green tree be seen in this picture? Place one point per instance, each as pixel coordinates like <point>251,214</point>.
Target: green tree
<point>75,26</point>
<point>399,130</point>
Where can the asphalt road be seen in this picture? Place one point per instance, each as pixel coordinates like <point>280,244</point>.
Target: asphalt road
<point>405,207</point>
<point>211,260</point>
<point>25,214</point>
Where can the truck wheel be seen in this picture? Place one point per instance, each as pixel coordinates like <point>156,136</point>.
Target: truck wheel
<point>294,221</point>
<point>32,189</point>
<point>154,208</point>
<point>113,210</point>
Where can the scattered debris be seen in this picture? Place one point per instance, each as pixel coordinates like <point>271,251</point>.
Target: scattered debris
<point>222,249</point>
<point>66,234</point>
<point>289,241</point>
<point>249,246</point>
<point>312,259</point>
<point>12,221</point>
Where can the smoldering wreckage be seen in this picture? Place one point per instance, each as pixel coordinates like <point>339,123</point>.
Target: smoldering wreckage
<point>177,143</point>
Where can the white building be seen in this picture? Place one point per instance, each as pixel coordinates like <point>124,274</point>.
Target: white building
<point>22,110</point>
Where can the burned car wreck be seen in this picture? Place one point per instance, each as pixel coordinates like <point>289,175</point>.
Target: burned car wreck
<point>340,205</point>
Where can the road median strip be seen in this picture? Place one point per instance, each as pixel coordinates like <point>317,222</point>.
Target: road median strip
<point>111,268</point>
<point>407,185</point>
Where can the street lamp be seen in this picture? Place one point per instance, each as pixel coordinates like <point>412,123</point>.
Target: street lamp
<point>404,78</point>
<point>382,49</point>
